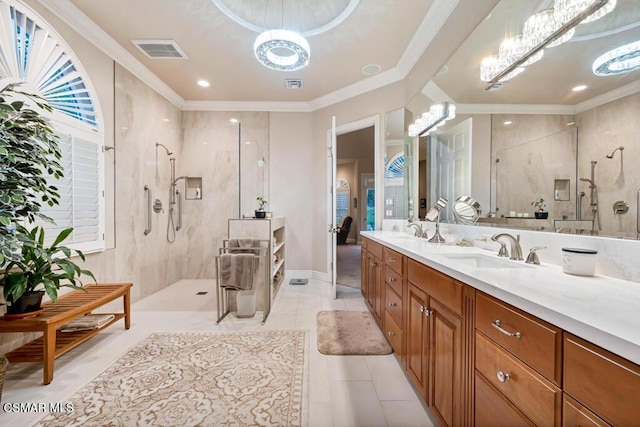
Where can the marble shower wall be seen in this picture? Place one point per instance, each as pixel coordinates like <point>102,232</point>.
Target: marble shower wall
<point>533,151</point>
<point>603,129</point>
<point>211,151</point>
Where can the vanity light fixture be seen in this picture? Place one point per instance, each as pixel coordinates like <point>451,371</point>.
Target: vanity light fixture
<point>430,120</point>
<point>530,45</point>
<point>203,83</point>
<point>622,59</point>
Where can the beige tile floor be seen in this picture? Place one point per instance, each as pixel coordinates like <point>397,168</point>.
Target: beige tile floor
<point>342,390</point>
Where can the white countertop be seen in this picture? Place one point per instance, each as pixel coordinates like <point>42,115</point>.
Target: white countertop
<point>600,309</point>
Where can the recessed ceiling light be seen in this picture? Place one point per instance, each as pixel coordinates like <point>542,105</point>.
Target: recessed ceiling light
<point>203,83</point>
<point>233,120</point>
<point>247,142</point>
<point>371,69</point>
<point>579,88</point>
<point>507,123</point>
<point>165,120</point>
<point>571,123</point>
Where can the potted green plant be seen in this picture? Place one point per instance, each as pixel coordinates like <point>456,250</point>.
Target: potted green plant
<point>41,268</point>
<point>30,152</point>
<point>262,204</point>
<point>540,213</point>
<point>28,148</point>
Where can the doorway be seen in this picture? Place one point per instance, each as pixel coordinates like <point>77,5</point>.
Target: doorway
<point>355,202</point>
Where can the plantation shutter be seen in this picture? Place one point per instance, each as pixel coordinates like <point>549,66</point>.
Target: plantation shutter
<point>81,193</point>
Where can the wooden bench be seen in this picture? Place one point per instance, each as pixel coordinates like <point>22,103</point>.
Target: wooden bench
<point>72,305</point>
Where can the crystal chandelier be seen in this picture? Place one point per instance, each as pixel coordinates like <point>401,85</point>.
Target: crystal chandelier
<point>541,25</point>
<point>620,60</point>
<point>547,28</point>
<point>282,50</point>
<point>566,10</point>
<point>430,120</point>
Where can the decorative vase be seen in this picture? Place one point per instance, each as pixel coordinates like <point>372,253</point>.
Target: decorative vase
<point>542,214</point>
<point>261,214</point>
<point>28,303</point>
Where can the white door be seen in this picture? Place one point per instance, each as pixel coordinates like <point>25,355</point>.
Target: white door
<point>450,160</point>
<point>333,226</point>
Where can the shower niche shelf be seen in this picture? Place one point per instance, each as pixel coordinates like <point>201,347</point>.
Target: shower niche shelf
<point>193,188</point>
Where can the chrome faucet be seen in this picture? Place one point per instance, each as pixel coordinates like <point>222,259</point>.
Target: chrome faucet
<point>419,230</point>
<point>516,249</point>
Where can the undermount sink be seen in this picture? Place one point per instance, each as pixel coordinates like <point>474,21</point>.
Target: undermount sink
<point>485,261</point>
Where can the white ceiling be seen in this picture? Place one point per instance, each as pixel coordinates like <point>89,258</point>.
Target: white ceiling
<point>395,34</point>
<point>220,49</point>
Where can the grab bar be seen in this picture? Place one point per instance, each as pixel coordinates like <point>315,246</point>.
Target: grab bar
<point>147,228</point>
<point>179,226</point>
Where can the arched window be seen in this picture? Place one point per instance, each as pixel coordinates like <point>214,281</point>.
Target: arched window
<point>343,195</point>
<point>395,168</point>
<point>34,55</point>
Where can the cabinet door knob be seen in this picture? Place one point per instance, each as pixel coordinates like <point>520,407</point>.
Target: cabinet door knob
<point>502,377</point>
<point>421,309</point>
<point>496,324</point>
<point>391,259</point>
<point>391,279</point>
<point>390,333</point>
<point>428,312</point>
<point>392,304</point>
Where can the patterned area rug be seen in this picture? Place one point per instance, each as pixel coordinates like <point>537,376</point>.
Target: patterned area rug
<point>350,333</point>
<point>205,379</point>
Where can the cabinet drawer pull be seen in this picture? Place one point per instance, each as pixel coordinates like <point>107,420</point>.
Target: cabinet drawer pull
<point>496,324</point>
<point>502,377</point>
<point>391,279</point>
<point>391,259</point>
<point>421,309</point>
<point>390,333</point>
<point>428,312</point>
<point>392,304</point>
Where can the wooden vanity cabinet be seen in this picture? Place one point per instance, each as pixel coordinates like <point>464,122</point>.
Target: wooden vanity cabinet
<point>520,356</point>
<point>374,280</point>
<point>393,323</point>
<point>438,337</point>
<point>606,384</point>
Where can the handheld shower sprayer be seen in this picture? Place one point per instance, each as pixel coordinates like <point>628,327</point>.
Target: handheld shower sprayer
<point>610,155</point>
<point>169,152</point>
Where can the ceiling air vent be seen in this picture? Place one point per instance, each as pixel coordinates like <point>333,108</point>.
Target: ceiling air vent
<point>495,86</point>
<point>160,49</point>
<point>293,83</point>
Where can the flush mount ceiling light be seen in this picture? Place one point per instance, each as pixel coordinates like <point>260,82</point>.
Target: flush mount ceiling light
<point>203,83</point>
<point>620,60</point>
<point>544,29</point>
<point>282,50</point>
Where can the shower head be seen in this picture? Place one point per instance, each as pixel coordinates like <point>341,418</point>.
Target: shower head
<point>165,148</point>
<point>610,155</point>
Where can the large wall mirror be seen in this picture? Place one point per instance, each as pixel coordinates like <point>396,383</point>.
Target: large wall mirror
<point>556,131</point>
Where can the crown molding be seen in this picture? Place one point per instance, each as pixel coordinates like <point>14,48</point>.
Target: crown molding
<point>515,109</point>
<point>610,96</point>
<point>280,107</point>
<point>433,21</point>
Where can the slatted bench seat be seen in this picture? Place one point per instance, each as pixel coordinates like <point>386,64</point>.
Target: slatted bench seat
<point>72,305</point>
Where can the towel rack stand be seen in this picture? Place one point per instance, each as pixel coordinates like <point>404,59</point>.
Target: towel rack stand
<point>222,294</point>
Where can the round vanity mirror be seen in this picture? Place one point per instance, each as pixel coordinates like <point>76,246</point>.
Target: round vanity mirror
<point>466,210</point>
